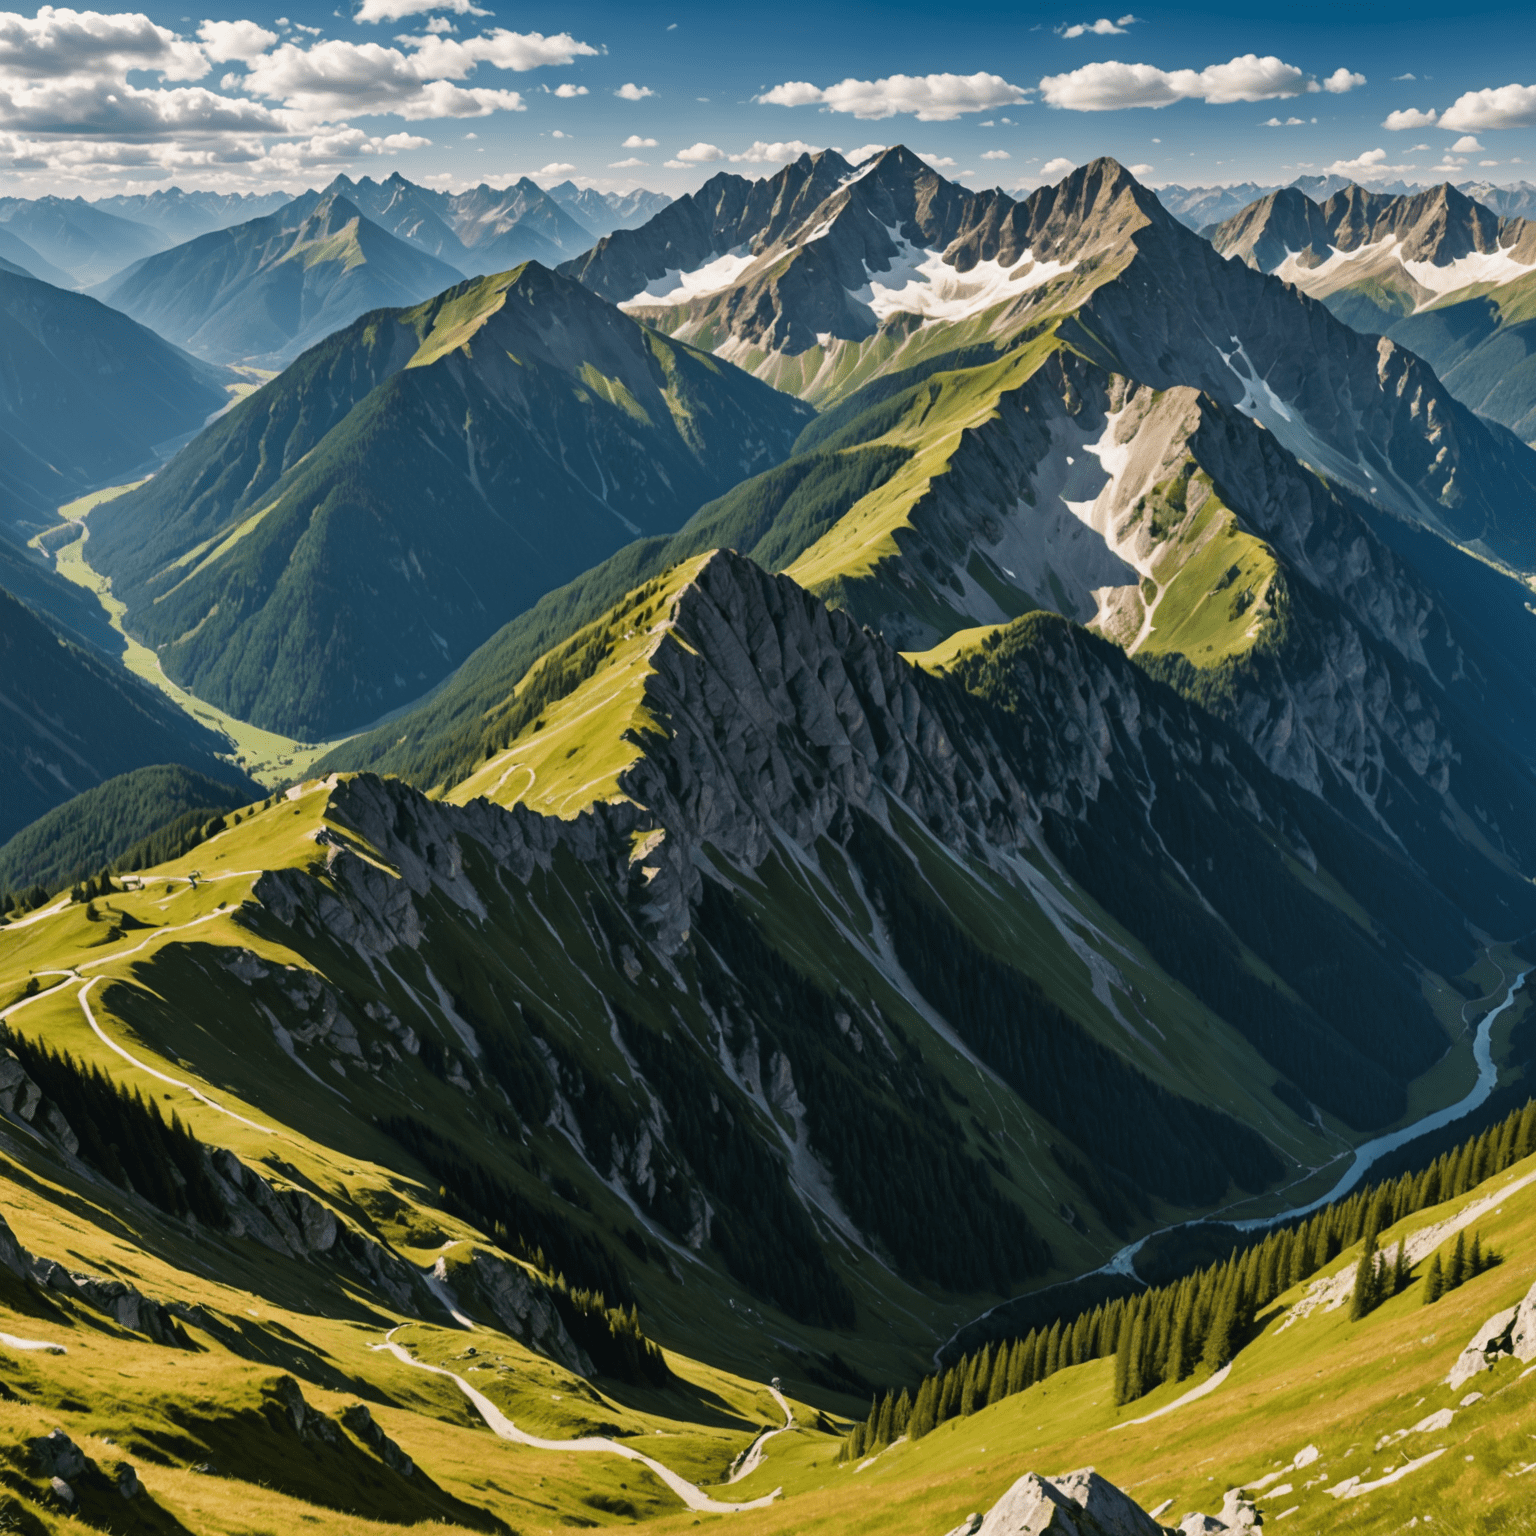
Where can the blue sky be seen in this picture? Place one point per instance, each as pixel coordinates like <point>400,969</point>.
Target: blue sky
<point>451,92</point>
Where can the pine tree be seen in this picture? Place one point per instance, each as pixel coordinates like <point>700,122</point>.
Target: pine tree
<point>1434,1282</point>
<point>901,1419</point>
<point>997,1389</point>
<point>1456,1270</point>
<point>1135,1376</point>
<point>1179,1344</point>
<point>1364,1298</point>
<point>1123,1362</point>
<point>1220,1339</point>
<point>925,1409</point>
<point>1401,1271</point>
<point>884,1428</point>
<point>1475,1264</point>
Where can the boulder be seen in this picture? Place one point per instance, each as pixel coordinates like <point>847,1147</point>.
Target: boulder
<point>1237,1514</point>
<point>1486,1347</point>
<point>127,1480</point>
<point>56,1455</point>
<point>1077,1504</point>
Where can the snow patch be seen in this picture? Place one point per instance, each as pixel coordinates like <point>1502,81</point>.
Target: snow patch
<point>676,286</point>
<point>921,282</point>
<point>1475,267</point>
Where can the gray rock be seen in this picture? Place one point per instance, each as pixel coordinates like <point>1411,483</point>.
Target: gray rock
<point>525,1308</point>
<point>56,1455</point>
<point>1486,1347</point>
<point>127,1480</point>
<point>1237,1514</point>
<point>362,1423</point>
<point>310,1424</point>
<point>1078,1504</point>
<point>63,1492</point>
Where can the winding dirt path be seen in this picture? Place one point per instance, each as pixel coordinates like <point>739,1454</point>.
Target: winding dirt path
<point>690,1493</point>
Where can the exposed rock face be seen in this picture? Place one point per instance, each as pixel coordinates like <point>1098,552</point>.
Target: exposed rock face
<point>56,1455</point>
<point>1078,1504</point>
<point>1510,1333</point>
<point>362,1423</point>
<point>119,1300</point>
<point>524,1308</point>
<point>21,1097</point>
<point>293,1223</point>
<point>307,1421</point>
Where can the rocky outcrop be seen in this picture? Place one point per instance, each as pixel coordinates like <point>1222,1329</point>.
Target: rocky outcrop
<point>295,1224</point>
<point>122,1302</point>
<point>523,1306</point>
<point>21,1097</point>
<point>309,1422</point>
<point>362,1423</point>
<point>1078,1504</point>
<point>1238,1513</point>
<point>1507,1334</point>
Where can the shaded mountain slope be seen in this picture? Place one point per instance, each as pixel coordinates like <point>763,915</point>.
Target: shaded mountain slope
<point>340,540</point>
<point>73,720</point>
<point>85,396</point>
<point>87,242</point>
<point>264,291</point>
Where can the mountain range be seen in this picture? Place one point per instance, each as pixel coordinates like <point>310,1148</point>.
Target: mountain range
<point>1437,272</point>
<point>1202,208</point>
<point>908,774</point>
<point>262,292</point>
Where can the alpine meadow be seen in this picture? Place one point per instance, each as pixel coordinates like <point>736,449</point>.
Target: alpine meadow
<point>771,770</point>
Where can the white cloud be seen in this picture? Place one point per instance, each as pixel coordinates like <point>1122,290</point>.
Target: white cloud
<point>1404,77</point>
<point>995,154</point>
<point>634,141</point>
<point>1465,145</point>
<point>699,154</point>
<point>555,168</point>
<point>1142,170</point>
<point>932,98</point>
<point>227,41</point>
<point>780,152</point>
<point>398,10</point>
<point>1289,122</point>
<point>1371,166</point>
<point>559,134</point>
<point>1418,149</point>
<point>1342,80</point>
<point>72,43</point>
<point>1053,169</point>
<point>938,162</point>
<point>568,90</point>
<point>863,152</point>
<point>625,165</point>
<point>633,92</point>
<point>1110,85</point>
<point>1507,106</point>
<point>1487,162</point>
<point>1103,27</point>
<point>1410,117</point>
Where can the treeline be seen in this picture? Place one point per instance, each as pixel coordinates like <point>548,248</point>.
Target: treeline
<point>1162,1143</point>
<point>1168,1332</point>
<point>122,1135</point>
<point>611,1336</point>
<point>873,1112</point>
<point>111,826</point>
<point>1464,1264</point>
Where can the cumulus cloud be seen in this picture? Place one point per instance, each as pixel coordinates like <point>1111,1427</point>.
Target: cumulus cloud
<point>1342,80</point>
<point>634,141</point>
<point>930,98</point>
<point>780,152</point>
<point>1110,86</point>
<point>234,41</point>
<point>625,165</point>
<point>1103,27</point>
<point>863,152</point>
<point>398,10</point>
<point>555,168</point>
<point>696,154</point>
<point>1142,170</point>
<point>1466,145</point>
<point>995,154</point>
<point>1371,166</point>
<point>1053,169</point>
<point>938,162</point>
<point>1289,122</point>
<point>1410,117</point>
<point>1404,77</point>
<point>568,90</point>
<point>83,85</point>
<point>633,92</point>
<point>1506,106</point>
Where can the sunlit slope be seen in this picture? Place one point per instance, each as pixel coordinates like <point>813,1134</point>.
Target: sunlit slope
<point>342,539</point>
<point>1310,1419</point>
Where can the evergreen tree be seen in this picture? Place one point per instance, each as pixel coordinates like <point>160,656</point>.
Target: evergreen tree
<point>925,1409</point>
<point>1434,1282</point>
<point>1456,1270</point>
<point>1365,1294</point>
<point>1401,1271</point>
<point>1475,1264</point>
<point>1221,1338</point>
<point>997,1389</point>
